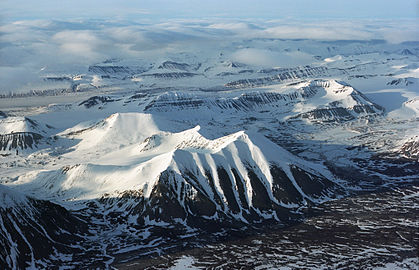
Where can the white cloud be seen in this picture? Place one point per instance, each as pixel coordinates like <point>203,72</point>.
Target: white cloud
<point>16,76</point>
<point>81,44</point>
<point>267,58</point>
<point>394,34</point>
<point>230,26</point>
<point>71,46</point>
<point>319,32</point>
<point>255,57</point>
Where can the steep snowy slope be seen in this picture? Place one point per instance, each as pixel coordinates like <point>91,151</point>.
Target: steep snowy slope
<point>114,132</point>
<point>33,232</point>
<point>239,177</point>
<point>409,110</point>
<point>236,178</point>
<point>14,124</point>
<point>21,133</point>
<point>335,101</point>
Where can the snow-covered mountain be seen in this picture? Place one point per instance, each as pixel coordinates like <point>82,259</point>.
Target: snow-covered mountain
<point>313,100</point>
<point>15,124</point>
<point>21,134</point>
<point>158,177</point>
<point>235,177</point>
<point>149,156</point>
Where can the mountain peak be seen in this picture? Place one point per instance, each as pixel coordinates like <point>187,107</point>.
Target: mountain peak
<point>139,162</point>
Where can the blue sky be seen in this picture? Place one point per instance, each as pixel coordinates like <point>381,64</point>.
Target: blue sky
<point>164,9</point>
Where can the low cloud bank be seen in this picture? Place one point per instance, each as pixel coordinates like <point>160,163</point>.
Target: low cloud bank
<point>31,48</point>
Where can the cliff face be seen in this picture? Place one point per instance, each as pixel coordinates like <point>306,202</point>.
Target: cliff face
<point>19,141</point>
<point>33,231</point>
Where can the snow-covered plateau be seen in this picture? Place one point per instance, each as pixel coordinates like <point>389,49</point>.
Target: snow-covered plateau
<point>199,160</point>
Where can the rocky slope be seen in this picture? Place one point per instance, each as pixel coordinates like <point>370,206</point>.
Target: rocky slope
<point>317,100</point>
<point>35,233</point>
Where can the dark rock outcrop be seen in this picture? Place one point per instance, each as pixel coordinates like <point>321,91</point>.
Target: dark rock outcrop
<point>170,75</point>
<point>19,140</point>
<point>174,65</point>
<point>281,76</point>
<point>32,231</point>
<point>96,100</point>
